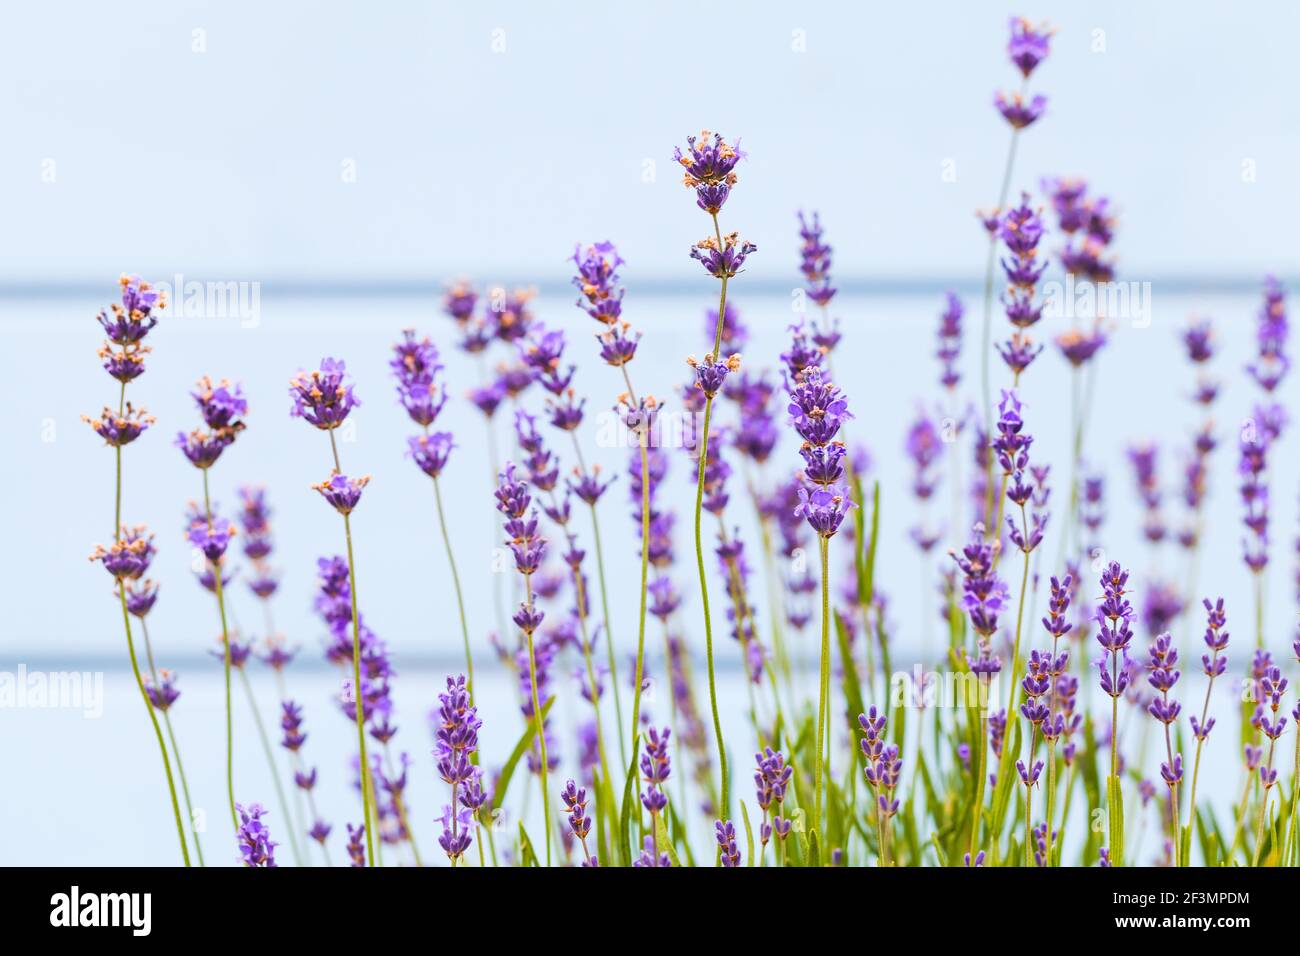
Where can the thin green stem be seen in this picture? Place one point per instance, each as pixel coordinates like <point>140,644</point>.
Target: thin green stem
<point>455,580</point>
<point>643,438</point>
<point>699,545</point>
<point>986,339</point>
<point>171,737</point>
<point>823,684</point>
<point>270,762</point>
<point>537,719</point>
<point>981,771</point>
<point>153,719</point>
<point>225,644</point>
<point>708,625</point>
<point>367,799</point>
<point>609,633</point>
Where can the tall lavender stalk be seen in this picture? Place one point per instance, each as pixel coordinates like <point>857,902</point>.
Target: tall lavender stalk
<point>1028,46</point>
<point>1114,634</point>
<point>602,299</point>
<point>324,399</point>
<point>1269,367</point>
<point>456,747</point>
<point>709,165</point>
<point>1213,665</point>
<point>818,409</point>
<point>515,502</point>
<point>417,368</point>
<point>221,407</point>
<point>1271,724</point>
<point>128,557</point>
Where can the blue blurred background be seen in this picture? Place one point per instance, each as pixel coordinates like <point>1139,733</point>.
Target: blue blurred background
<point>351,158</point>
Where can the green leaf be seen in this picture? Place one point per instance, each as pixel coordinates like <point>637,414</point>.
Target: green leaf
<point>749,834</point>
<point>625,817</point>
<point>521,748</point>
<point>663,841</point>
<point>1006,775</point>
<point>1115,819</point>
<point>852,686</point>
<point>526,855</point>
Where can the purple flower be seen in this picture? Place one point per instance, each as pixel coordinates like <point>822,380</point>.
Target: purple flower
<point>163,693</point>
<point>291,724</point>
<point>708,160</point>
<point>255,843</point>
<point>949,351</point>
<point>815,260</point>
<point>726,836</point>
<point>416,366</point>
<point>824,508</point>
<point>710,374</point>
<point>430,452</point>
<point>203,448</point>
<point>357,844</point>
<point>1114,633</point>
<point>597,280</point>
<point>1080,345</point>
<point>1019,113</point>
<point>220,405</point>
<point>211,537</point>
<point>1271,363</point>
<point>456,734</point>
<point>726,260</point>
<point>131,321</point>
<point>656,767</point>
<point>770,783</point>
<point>459,302</point>
<point>324,396</point>
<point>575,805</point>
<point>129,556</point>
<point>140,598</point>
<point>342,492</point>
<point>120,429</point>
<point>984,595</point>
<point>884,768</point>
<point>648,855</point>
<point>617,347</point>
<point>1029,45</point>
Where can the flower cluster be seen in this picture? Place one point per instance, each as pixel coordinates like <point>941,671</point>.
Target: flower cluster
<point>126,325</point>
<point>817,411</point>
<point>1114,633</point>
<point>455,746</point>
<point>884,767</point>
<point>324,396</point>
<point>1021,229</point>
<point>255,844</point>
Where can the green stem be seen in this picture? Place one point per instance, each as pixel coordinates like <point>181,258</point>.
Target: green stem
<point>225,644</point>
<point>643,437</point>
<point>981,771</point>
<point>986,339</point>
<point>723,810</point>
<point>367,800</point>
<point>153,719</point>
<point>823,684</point>
<point>455,580</point>
<point>704,598</point>
<point>537,720</point>
<point>270,762</point>
<point>171,737</point>
<point>609,633</point>
<point>1263,807</point>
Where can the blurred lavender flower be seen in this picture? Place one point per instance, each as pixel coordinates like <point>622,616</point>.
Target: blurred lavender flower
<point>255,843</point>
